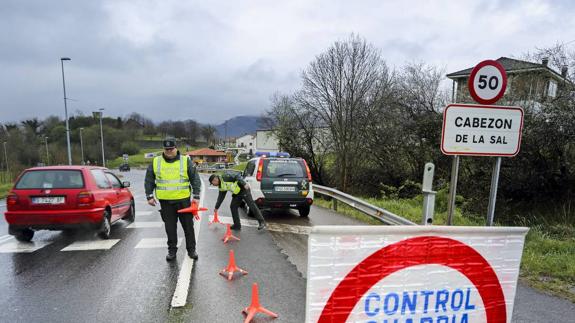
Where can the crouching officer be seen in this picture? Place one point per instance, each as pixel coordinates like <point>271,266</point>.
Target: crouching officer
<point>229,182</point>
<point>171,176</point>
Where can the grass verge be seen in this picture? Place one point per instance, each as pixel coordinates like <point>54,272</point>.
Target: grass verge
<point>548,262</point>
<point>4,188</point>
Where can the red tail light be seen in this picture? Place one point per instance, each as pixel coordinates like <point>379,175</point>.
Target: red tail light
<point>12,199</point>
<point>308,171</point>
<point>85,198</point>
<point>260,170</point>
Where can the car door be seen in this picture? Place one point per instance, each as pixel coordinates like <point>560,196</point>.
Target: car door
<point>105,191</point>
<point>122,193</point>
<point>248,174</point>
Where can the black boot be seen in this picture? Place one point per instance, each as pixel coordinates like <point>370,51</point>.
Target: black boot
<point>236,227</point>
<point>263,225</point>
<point>171,255</point>
<point>193,254</point>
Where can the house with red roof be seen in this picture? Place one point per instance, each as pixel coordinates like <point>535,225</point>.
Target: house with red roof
<point>207,155</point>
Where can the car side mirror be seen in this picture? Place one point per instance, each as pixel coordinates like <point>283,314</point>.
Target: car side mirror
<point>125,184</point>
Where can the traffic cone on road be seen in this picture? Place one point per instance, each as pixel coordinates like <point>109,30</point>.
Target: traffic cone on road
<point>229,234</point>
<point>255,306</point>
<point>216,219</point>
<point>194,209</point>
<point>232,267</point>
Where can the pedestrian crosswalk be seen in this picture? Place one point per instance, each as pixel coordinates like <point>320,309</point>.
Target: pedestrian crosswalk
<point>10,245</point>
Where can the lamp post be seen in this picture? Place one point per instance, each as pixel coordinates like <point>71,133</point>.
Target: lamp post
<point>6,160</point>
<point>99,114</point>
<point>82,145</point>
<point>66,111</point>
<point>47,154</point>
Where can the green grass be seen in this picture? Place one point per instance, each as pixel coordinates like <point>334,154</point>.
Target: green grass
<point>4,188</point>
<point>134,160</point>
<point>240,166</point>
<point>548,261</point>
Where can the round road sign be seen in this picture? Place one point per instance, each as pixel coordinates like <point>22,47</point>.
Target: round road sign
<point>487,82</point>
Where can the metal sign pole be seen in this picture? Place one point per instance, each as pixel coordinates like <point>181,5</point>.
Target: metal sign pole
<point>493,191</point>
<point>453,188</point>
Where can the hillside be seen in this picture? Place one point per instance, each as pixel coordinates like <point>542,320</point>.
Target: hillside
<point>238,126</point>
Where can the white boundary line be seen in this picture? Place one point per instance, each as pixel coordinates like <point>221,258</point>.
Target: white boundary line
<point>5,238</point>
<point>182,286</point>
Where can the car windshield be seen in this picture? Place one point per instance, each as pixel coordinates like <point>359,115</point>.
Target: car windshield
<point>284,168</point>
<point>44,179</point>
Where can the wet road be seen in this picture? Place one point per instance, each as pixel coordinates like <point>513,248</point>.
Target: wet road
<point>126,279</point>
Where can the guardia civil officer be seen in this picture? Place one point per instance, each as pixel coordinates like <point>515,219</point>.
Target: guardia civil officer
<point>171,176</point>
<point>230,182</point>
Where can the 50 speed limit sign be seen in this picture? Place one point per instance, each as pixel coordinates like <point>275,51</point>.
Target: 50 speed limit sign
<point>487,82</point>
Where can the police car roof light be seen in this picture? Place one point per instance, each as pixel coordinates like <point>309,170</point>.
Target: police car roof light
<point>272,154</point>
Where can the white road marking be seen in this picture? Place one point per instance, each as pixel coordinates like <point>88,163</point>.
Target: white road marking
<point>278,227</point>
<point>142,213</point>
<point>183,285</point>
<point>148,243</point>
<point>5,238</point>
<point>91,245</point>
<point>22,247</point>
<point>138,225</point>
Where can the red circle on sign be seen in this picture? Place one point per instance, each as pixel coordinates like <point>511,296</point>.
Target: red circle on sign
<point>427,250</point>
<point>471,79</point>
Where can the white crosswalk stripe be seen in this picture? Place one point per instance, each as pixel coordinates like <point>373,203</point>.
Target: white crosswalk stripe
<point>22,247</point>
<point>142,213</point>
<point>148,243</point>
<point>138,225</point>
<point>91,245</point>
<point>5,238</point>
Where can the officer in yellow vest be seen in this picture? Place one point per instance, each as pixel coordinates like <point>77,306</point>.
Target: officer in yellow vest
<point>240,191</point>
<point>171,176</point>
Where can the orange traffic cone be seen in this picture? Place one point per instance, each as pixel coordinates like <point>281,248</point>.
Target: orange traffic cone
<point>229,234</point>
<point>216,219</point>
<point>194,209</point>
<point>255,306</point>
<point>232,267</point>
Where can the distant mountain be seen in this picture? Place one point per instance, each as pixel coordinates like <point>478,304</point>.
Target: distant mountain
<point>238,126</point>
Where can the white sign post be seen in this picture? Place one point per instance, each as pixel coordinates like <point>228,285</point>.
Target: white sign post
<point>482,130</point>
<point>412,274</point>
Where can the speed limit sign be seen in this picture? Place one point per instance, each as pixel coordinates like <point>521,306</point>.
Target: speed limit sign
<point>487,82</point>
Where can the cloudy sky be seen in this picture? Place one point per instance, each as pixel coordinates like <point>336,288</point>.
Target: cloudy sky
<point>212,60</point>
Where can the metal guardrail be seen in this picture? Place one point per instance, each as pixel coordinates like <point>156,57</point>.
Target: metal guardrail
<point>360,205</point>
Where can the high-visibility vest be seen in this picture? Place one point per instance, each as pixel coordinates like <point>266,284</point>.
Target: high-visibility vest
<point>229,186</point>
<point>172,181</point>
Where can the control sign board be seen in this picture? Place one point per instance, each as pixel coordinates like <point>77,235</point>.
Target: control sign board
<point>487,82</point>
<point>415,274</point>
<point>481,130</point>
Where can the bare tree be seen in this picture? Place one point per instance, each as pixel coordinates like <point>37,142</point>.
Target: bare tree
<point>209,133</point>
<point>340,87</point>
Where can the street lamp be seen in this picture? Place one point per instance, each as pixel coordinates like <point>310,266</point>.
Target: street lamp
<point>6,160</point>
<point>82,145</point>
<point>47,154</point>
<point>98,114</point>
<point>66,111</point>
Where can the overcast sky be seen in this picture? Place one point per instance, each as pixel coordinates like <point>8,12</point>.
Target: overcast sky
<point>212,60</point>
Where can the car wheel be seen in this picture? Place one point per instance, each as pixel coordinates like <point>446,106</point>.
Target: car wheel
<point>304,211</point>
<point>24,235</point>
<point>106,226</point>
<point>131,214</point>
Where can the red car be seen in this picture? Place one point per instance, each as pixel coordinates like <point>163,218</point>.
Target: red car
<point>67,197</point>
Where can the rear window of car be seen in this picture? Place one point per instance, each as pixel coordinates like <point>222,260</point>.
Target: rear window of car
<point>44,179</point>
<point>284,168</point>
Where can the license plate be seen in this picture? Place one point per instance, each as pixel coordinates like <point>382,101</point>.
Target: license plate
<point>48,200</point>
<point>284,189</point>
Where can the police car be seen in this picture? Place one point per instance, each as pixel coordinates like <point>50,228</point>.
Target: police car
<point>278,181</point>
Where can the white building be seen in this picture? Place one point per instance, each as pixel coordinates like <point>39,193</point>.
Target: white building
<point>266,141</point>
<point>247,143</point>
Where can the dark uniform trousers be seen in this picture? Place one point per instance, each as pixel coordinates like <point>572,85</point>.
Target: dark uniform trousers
<point>246,196</point>
<point>170,217</point>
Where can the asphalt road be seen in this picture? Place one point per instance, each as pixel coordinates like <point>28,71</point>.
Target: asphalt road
<point>128,280</point>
